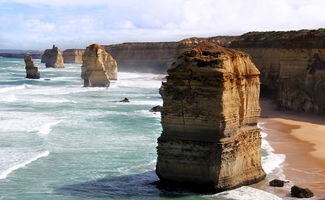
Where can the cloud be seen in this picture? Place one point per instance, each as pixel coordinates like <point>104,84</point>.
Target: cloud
<point>37,25</point>
<point>76,23</point>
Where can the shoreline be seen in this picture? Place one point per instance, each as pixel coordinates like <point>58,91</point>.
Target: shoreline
<point>301,138</point>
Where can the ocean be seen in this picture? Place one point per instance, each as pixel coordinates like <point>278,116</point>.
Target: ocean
<point>60,140</point>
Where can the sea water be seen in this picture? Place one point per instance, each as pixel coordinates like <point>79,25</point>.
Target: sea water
<point>60,140</point>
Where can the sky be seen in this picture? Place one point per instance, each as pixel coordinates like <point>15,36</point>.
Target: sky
<point>37,24</point>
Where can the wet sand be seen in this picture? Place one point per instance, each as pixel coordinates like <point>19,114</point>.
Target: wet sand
<point>301,138</point>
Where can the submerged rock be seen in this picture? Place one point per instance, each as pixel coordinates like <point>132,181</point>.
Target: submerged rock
<point>156,109</point>
<point>31,70</point>
<point>210,137</point>
<point>277,183</point>
<point>98,67</point>
<point>301,192</point>
<point>125,100</point>
<point>53,58</point>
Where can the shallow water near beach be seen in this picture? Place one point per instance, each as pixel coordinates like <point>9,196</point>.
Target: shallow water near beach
<point>60,140</point>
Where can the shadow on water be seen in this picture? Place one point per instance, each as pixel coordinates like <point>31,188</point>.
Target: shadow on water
<point>137,186</point>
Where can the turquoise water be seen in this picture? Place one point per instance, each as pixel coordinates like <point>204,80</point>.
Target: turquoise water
<point>59,140</point>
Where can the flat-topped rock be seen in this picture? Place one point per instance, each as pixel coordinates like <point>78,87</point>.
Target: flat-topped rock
<point>31,69</point>
<point>210,110</point>
<point>53,58</point>
<point>98,67</point>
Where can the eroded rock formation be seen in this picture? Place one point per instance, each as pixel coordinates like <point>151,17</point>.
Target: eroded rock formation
<point>53,57</point>
<point>292,64</point>
<point>31,69</point>
<point>98,67</point>
<point>209,117</point>
<point>73,55</point>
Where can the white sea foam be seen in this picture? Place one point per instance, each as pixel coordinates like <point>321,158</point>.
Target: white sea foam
<point>245,193</point>
<point>47,128</point>
<point>11,161</point>
<point>8,98</point>
<point>15,88</point>
<point>271,161</point>
<point>28,122</point>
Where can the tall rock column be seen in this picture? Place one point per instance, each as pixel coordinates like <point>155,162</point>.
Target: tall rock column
<point>98,67</point>
<point>31,70</point>
<point>210,111</point>
<point>53,57</point>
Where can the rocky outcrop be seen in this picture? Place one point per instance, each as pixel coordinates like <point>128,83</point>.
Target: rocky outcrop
<point>31,70</point>
<point>292,65</point>
<point>277,183</point>
<point>301,192</point>
<point>98,67</point>
<point>73,55</point>
<point>53,57</point>
<point>209,117</point>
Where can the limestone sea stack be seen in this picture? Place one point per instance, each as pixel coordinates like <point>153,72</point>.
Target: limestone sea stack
<point>210,110</point>
<point>98,67</point>
<point>73,55</point>
<point>53,57</point>
<point>31,69</point>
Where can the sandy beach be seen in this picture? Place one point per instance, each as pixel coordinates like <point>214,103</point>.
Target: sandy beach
<point>301,138</point>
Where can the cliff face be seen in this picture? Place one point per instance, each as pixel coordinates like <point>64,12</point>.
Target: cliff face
<point>150,57</point>
<point>155,57</point>
<point>73,55</point>
<point>98,67</point>
<point>209,117</point>
<point>53,58</point>
<point>31,70</point>
<point>292,64</point>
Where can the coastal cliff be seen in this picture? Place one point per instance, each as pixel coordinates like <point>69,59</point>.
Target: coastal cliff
<point>156,57</point>
<point>73,55</point>
<point>53,57</point>
<point>291,63</point>
<point>149,57</point>
<point>98,67</point>
<point>292,66</point>
<point>209,117</point>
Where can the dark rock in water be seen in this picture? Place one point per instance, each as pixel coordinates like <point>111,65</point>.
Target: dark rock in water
<point>301,192</point>
<point>125,100</point>
<point>31,70</point>
<point>277,183</point>
<point>156,109</point>
<point>47,79</point>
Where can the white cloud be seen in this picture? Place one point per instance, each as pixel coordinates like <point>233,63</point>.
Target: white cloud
<point>39,26</point>
<point>57,3</point>
<point>126,24</point>
<point>79,22</point>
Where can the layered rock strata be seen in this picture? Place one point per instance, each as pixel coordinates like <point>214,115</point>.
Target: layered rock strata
<point>53,58</point>
<point>155,57</point>
<point>292,65</point>
<point>98,67</point>
<point>73,55</point>
<point>209,117</point>
<point>31,69</point>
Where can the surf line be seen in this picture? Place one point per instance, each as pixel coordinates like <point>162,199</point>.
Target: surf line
<point>5,173</point>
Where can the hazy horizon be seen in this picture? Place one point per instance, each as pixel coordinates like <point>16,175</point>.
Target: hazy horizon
<point>36,25</point>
